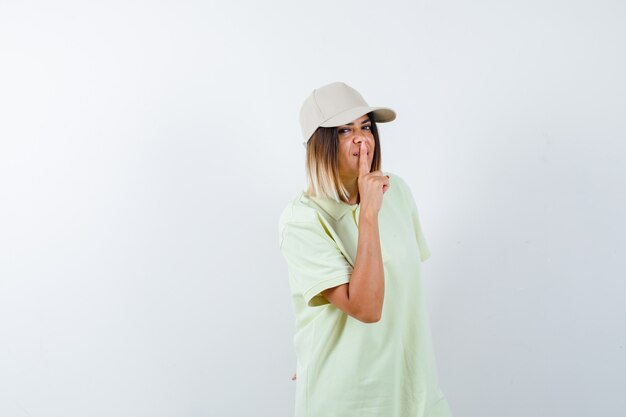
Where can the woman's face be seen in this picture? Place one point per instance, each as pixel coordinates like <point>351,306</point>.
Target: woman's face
<point>350,137</point>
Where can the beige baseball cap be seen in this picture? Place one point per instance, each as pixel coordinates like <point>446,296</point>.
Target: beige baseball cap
<point>336,104</point>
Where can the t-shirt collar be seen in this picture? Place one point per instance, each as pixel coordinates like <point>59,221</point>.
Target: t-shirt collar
<point>336,209</point>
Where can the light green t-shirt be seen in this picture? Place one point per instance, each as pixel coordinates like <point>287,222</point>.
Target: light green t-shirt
<point>346,367</point>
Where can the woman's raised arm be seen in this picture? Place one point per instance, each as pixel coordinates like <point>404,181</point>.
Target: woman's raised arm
<point>362,298</point>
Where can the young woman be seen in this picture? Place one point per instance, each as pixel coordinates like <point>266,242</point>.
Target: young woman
<point>354,246</point>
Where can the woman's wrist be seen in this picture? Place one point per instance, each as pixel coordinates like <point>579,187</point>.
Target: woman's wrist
<point>368,217</point>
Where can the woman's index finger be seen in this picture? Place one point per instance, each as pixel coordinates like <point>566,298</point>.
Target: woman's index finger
<point>363,165</point>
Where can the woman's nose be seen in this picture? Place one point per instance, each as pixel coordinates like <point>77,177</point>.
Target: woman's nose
<point>360,137</point>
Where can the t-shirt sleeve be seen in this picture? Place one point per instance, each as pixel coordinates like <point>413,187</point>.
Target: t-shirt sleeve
<point>314,260</point>
<point>415,219</point>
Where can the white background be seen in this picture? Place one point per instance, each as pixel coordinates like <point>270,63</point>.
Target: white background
<point>148,148</point>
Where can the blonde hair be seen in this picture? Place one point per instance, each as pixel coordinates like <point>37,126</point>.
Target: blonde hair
<point>322,163</point>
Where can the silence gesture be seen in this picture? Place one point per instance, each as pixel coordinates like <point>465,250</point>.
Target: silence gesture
<point>372,185</point>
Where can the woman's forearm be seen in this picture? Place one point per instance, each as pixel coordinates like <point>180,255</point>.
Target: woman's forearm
<point>367,283</point>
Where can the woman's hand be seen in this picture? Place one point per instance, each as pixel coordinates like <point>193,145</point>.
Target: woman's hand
<point>372,185</point>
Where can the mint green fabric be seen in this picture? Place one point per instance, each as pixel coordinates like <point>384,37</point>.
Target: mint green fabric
<point>346,367</point>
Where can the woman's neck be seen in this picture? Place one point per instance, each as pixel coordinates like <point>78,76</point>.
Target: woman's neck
<point>352,187</point>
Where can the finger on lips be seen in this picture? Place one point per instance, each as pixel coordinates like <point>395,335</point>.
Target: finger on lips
<point>363,164</point>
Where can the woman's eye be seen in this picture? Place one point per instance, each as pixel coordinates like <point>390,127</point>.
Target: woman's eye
<point>344,130</point>
<point>367,127</point>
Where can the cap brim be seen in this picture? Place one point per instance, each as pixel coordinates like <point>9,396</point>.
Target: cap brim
<point>381,115</point>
